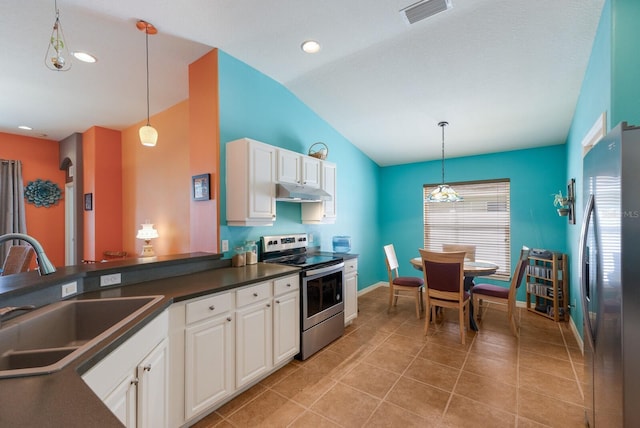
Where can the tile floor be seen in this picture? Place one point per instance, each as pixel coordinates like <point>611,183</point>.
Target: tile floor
<point>384,373</point>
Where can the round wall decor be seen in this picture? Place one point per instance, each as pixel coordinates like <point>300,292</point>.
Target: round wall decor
<point>42,193</point>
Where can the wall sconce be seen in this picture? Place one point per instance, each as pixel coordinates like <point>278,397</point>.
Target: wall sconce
<point>147,233</point>
<point>565,205</point>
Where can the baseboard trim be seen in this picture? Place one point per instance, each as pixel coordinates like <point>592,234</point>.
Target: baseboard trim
<point>372,287</point>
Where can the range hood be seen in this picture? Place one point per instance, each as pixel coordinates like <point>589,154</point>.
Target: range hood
<point>297,193</point>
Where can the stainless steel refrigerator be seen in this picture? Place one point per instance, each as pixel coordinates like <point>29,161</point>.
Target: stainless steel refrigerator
<point>610,279</point>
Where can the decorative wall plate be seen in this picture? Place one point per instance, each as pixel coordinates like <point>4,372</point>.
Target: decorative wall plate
<point>42,193</point>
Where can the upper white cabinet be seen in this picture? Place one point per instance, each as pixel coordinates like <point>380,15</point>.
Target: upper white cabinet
<point>323,212</point>
<point>251,190</point>
<point>298,169</point>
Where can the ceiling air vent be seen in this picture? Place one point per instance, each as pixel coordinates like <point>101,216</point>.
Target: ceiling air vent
<point>424,9</point>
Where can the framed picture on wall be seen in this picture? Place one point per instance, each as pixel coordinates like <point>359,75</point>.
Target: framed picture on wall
<point>201,187</point>
<point>88,201</point>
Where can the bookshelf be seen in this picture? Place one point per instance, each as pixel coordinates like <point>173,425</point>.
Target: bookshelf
<point>547,286</point>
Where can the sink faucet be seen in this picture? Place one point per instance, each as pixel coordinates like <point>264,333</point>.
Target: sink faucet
<point>45,267</point>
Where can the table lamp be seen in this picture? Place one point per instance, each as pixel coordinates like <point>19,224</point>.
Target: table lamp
<point>147,233</point>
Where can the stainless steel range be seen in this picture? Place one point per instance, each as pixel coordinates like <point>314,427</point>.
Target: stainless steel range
<point>321,282</point>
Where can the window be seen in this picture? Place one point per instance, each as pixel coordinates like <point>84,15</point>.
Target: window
<point>481,219</point>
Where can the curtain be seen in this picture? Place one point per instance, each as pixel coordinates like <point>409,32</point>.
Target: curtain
<point>12,212</point>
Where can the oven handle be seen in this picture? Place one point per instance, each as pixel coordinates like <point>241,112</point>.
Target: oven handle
<point>325,269</point>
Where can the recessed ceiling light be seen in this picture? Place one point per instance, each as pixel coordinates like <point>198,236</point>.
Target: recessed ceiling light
<point>85,57</point>
<point>310,46</point>
<point>25,127</point>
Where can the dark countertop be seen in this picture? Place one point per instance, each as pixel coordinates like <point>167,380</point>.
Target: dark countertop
<point>62,399</point>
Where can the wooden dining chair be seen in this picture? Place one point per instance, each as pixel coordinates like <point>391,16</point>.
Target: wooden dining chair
<point>502,295</point>
<point>402,286</point>
<point>18,259</point>
<point>444,286</point>
<point>470,250</point>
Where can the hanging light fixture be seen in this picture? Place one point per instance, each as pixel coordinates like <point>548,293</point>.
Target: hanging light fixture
<point>443,193</point>
<point>57,57</point>
<point>148,134</point>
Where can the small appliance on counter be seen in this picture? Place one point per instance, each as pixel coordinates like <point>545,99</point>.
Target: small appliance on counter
<point>341,244</point>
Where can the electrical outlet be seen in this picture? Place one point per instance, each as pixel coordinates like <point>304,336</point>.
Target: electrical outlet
<point>113,279</point>
<point>225,245</point>
<point>69,289</point>
<point>311,237</point>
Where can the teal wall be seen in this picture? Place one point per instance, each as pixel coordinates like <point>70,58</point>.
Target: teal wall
<point>535,174</point>
<point>255,106</point>
<point>595,98</point>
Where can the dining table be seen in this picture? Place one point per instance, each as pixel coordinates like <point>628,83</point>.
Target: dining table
<point>472,268</point>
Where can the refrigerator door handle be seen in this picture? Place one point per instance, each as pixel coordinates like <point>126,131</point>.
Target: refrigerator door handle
<point>584,270</point>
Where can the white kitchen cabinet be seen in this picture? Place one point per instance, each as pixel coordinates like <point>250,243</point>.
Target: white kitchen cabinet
<point>251,185</point>
<point>324,212</point>
<point>209,354</point>
<point>350,290</point>
<point>254,342</point>
<point>286,318</point>
<point>298,169</point>
<point>133,379</point>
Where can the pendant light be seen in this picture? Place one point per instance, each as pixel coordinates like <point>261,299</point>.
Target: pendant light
<point>57,57</point>
<point>148,134</point>
<point>443,193</point>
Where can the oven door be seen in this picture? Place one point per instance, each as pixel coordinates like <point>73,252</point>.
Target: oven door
<point>321,294</point>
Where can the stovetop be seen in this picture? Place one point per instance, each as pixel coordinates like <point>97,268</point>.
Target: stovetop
<point>292,250</point>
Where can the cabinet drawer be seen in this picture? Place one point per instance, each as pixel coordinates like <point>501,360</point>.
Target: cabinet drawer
<point>350,266</point>
<point>284,285</point>
<point>208,307</point>
<point>253,294</point>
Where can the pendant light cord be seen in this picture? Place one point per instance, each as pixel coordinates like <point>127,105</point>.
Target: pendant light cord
<point>146,32</point>
<point>442,125</point>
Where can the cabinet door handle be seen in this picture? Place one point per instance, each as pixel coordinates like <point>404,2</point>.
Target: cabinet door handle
<point>213,308</point>
<point>229,319</point>
<point>147,368</point>
<point>255,294</point>
<point>268,305</point>
<point>278,301</point>
<point>134,381</point>
<point>288,285</point>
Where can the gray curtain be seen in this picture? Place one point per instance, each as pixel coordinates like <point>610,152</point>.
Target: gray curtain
<point>12,212</point>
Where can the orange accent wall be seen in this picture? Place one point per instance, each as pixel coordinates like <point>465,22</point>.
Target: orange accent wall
<point>40,160</point>
<point>156,183</point>
<point>204,126</point>
<point>102,159</point>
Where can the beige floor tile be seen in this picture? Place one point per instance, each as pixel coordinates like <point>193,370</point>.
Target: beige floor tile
<point>544,348</point>
<point>268,409</point>
<point>209,421</point>
<point>417,397</point>
<point>443,355</point>
<point>370,379</point>
<point>554,366</point>
<point>403,344</point>
<point>494,350</point>
<point>389,360</point>
<point>346,406</point>
<point>488,391</point>
<point>463,412</point>
<point>389,416</point>
<point>242,399</point>
<point>549,411</point>
<point>528,423</point>
<point>311,419</point>
<point>280,374</point>
<point>500,370</point>
<point>432,373</point>
<point>304,386</point>
<point>557,387</point>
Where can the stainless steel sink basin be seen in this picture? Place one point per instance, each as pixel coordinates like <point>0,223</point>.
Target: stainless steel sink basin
<point>49,338</point>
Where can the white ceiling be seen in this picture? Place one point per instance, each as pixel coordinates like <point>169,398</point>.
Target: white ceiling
<point>506,74</point>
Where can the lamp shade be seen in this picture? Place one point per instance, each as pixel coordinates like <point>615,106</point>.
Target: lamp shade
<point>147,232</point>
<point>444,193</point>
<point>148,135</point>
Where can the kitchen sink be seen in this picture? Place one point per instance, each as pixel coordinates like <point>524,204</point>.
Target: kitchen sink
<point>49,338</point>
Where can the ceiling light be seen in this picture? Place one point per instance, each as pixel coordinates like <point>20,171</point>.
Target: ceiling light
<point>443,193</point>
<point>57,57</point>
<point>25,127</point>
<point>148,134</point>
<point>310,46</point>
<point>85,57</point>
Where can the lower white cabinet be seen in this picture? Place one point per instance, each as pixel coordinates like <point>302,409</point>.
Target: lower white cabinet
<point>209,364</point>
<point>254,342</point>
<point>350,290</point>
<point>133,380</point>
<point>286,319</point>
